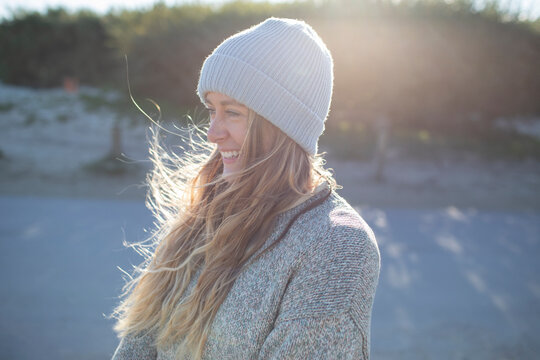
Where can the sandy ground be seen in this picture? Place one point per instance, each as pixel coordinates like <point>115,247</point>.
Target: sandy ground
<point>466,182</point>
<point>48,136</point>
<point>408,184</point>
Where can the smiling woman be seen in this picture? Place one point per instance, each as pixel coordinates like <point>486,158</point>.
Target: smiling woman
<point>256,256</point>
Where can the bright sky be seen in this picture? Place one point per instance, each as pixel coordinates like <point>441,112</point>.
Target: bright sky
<point>530,8</point>
<point>100,6</point>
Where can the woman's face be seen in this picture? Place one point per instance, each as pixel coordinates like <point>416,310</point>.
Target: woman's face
<point>228,128</point>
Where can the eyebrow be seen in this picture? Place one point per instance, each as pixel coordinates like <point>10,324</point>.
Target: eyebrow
<point>226,102</point>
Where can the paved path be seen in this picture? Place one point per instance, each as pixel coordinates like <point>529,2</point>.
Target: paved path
<point>454,284</point>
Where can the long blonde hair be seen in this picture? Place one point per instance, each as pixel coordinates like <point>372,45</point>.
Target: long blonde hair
<point>211,223</point>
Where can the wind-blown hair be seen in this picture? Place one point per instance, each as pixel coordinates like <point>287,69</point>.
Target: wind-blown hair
<point>209,222</point>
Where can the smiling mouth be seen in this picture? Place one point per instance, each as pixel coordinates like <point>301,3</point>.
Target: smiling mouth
<point>229,155</point>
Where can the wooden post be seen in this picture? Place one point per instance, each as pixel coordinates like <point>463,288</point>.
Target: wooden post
<point>116,144</point>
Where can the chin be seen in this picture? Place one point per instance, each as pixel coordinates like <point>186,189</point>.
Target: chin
<point>229,173</point>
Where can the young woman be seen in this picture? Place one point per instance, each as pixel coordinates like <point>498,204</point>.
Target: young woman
<point>256,256</point>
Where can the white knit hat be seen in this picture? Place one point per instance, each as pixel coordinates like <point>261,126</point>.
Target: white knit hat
<point>279,68</point>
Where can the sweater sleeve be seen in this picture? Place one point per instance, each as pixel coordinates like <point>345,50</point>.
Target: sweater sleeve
<point>326,309</point>
<point>139,347</point>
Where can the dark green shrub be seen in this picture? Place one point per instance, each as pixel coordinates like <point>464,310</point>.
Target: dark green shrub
<point>40,50</point>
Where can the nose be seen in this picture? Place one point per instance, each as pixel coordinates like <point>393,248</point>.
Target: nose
<point>216,131</point>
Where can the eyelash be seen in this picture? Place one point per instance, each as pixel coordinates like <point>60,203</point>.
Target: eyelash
<point>231,113</point>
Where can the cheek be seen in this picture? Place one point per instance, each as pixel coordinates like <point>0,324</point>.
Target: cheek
<point>239,134</point>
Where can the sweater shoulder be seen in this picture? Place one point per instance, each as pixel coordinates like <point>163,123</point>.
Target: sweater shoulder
<point>339,268</point>
<point>346,224</point>
<point>336,223</point>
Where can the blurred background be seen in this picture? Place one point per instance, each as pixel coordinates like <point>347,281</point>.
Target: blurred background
<point>434,134</point>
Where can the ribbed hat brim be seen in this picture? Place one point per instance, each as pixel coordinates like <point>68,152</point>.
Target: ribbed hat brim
<point>228,75</point>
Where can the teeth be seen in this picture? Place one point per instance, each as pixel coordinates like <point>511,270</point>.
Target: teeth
<point>230,154</point>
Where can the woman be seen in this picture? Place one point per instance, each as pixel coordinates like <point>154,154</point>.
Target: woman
<point>256,256</point>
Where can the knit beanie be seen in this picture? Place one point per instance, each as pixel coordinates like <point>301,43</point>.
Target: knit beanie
<point>279,68</point>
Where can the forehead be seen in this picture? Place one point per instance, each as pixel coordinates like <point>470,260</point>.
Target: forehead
<point>215,98</point>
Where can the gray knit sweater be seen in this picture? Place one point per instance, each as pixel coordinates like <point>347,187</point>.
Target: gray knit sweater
<point>310,297</point>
